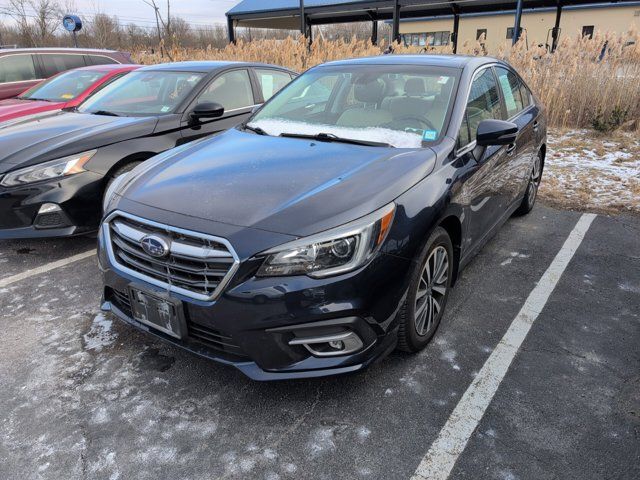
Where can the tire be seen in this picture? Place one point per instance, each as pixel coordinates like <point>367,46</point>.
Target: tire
<point>531,193</point>
<point>121,171</point>
<point>420,316</point>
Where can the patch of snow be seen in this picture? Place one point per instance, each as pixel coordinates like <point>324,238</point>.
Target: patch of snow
<point>321,442</point>
<point>363,433</point>
<point>100,334</point>
<point>395,138</point>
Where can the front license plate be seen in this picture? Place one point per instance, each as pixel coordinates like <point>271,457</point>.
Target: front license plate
<point>161,313</point>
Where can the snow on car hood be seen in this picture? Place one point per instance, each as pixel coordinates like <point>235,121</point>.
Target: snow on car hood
<point>394,138</point>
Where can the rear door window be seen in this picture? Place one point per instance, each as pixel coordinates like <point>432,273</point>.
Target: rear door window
<point>17,68</point>
<point>271,81</point>
<point>510,86</point>
<point>53,63</point>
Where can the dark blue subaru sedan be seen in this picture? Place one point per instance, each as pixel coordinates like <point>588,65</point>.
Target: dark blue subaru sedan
<point>328,229</point>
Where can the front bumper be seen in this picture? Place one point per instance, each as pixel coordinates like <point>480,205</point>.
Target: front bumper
<point>250,326</point>
<point>78,198</point>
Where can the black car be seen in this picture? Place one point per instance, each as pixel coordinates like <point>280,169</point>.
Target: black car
<point>328,229</point>
<point>55,169</point>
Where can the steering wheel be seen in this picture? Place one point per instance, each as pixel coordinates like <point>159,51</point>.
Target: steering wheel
<point>422,121</point>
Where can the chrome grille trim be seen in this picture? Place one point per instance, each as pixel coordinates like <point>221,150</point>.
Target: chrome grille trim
<point>186,271</point>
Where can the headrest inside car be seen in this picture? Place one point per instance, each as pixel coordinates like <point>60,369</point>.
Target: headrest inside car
<point>414,87</point>
<point>371,92</point>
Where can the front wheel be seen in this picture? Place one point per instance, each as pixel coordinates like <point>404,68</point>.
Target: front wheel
<point>531,194</point>
<point>429,288</point>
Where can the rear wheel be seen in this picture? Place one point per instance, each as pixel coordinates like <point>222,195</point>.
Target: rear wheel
<point>531,194</point>
<point>424,306</point>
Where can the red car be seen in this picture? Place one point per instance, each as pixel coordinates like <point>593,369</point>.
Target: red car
<point>67,89</point>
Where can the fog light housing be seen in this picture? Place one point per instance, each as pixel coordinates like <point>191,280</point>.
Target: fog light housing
<point>331,345</point>
<point>49,208</point>
<point>50,215</point>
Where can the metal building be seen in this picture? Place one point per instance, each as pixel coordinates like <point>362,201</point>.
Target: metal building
<point>302,14</point>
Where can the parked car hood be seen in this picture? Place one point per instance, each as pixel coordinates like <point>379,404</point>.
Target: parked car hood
<point>65,133</point>
<point>15,107</point>
<point>284,185</point>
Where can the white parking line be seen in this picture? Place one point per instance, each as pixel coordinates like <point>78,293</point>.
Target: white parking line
<point>452,440</point>
<point>4,282</point>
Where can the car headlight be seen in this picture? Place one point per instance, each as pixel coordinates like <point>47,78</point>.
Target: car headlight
<point>45,171</point>
<point>335,251</point>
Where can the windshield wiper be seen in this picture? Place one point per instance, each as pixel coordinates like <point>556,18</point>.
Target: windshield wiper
<point>330,137</point>
<point>257,130</point>
<point>105,112</point>
<point>35,99</point>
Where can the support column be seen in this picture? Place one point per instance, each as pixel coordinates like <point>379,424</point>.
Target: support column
<point>516,25</point>
<point>456,28</point>
<point>374,32</point>
<point>395,36</point>
<point>231,30</point>
<point>555,33</point>
<point>303,20</point>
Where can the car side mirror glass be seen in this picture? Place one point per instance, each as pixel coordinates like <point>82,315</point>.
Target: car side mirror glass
<point>207,110</point>
<point>496,132</point>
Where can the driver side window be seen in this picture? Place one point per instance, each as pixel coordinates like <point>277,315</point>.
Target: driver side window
<point>232,90</point>
<point>483,103</point>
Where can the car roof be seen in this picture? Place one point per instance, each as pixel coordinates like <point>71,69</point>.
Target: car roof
<point>56,49</point>
<point>109,67</point>
<point>205,66</point>
<point>453,61</point>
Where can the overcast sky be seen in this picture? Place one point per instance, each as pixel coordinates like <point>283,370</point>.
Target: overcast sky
<point>198,12</point>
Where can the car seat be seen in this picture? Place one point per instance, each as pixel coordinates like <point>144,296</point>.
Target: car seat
<point>412,103</point>
<point>369,115</point>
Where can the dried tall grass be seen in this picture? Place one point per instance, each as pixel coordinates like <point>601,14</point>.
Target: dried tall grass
<point>574,83</point>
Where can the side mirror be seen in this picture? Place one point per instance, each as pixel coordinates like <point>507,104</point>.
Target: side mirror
<point>496,132</point>
<point>207,110</point>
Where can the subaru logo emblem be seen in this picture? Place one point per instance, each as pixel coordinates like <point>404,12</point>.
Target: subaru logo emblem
<point>155,246</point>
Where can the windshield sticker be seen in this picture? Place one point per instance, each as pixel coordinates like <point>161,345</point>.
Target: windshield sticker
<point>193,78</point>
<point>66,95</point>
<point>165,109</point>
<point>429,135</point>
<point>443,80</point>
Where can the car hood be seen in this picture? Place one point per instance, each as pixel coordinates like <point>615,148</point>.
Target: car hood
<point>65,133</point>
<point>14,107</point>
<point>284,185</point>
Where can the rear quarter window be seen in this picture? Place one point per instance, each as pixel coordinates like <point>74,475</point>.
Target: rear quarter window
<point>99,60</point>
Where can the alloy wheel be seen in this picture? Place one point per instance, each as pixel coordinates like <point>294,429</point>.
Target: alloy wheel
<point>432,289</point>
<point>534,181</point>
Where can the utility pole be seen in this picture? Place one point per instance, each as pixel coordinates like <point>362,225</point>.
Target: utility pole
<point>159,34</point>
<point>153,5</point>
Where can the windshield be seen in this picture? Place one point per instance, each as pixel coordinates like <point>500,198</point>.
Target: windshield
<point>400,105</point>
<point>143,94</point>
<point>63,87</point>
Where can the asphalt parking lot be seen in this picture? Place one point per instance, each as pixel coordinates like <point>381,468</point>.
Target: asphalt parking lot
<point>85,396</point>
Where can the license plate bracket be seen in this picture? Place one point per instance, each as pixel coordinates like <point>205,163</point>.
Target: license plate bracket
<point>158,311</point>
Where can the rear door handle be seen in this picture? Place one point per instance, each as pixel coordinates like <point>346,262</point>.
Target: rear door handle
<point>511,148</point>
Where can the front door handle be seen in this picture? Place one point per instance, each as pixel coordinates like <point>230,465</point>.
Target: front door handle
<point>511,148</point>
<point>535,126</point>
